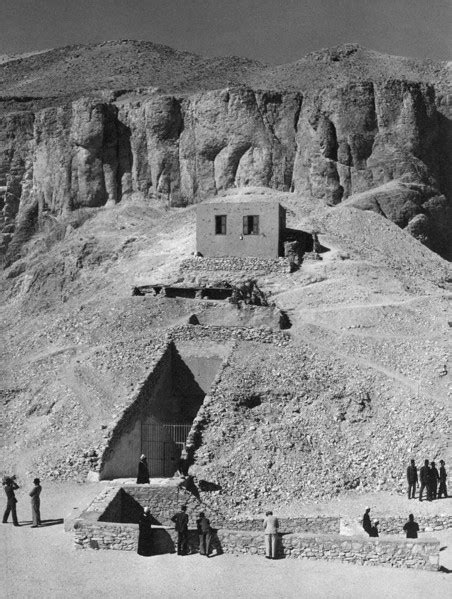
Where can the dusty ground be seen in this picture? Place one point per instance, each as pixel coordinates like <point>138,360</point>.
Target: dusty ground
<point>44,563</point>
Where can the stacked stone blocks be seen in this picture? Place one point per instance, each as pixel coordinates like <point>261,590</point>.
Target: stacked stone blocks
<point>311,538</point>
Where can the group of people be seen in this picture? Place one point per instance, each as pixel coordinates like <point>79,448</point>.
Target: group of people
<point>10,486</point>
<point>411,528</point>
<point>430,479</point>
<point>181,527</point>
<point>203,528</point>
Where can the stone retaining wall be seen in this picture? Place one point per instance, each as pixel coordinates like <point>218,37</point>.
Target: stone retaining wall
<point>399,553</point>
<point>125,504</point>
<point>231,263</point>
<point>383,551</point>
<point>394,525</point>
<point>164,502</point>
<point>319,524</point>
<point>105,535</point>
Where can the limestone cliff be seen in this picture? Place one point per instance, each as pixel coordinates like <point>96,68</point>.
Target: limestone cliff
<point>324,143</point>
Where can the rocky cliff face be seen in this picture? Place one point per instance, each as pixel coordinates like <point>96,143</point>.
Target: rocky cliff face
<point>326,144</point>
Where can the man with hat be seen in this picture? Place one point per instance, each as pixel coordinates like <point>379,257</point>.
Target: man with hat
<point>36,503</point>
<point>10,485</point>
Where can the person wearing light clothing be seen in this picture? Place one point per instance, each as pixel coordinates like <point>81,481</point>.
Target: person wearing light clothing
<point>271,526</point>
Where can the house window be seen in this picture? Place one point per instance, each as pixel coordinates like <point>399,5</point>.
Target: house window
<point>251,225</point>
<point>220,225</point>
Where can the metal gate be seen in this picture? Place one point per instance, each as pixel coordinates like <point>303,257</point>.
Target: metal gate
<point>162,445</point>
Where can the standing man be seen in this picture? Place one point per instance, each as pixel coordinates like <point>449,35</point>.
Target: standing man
<point>10,485</point>
<point>411,528</point>
<point>424,478</point>
<point>411,476</point>
<point>36,503</point>
<point>367,524</point>
<point>204,532</point>
<point>433,480</point>
<point>442,480</point>
<point>271,526</point>
<point>143,471</point>
<point>181,527</point>
<point>145,533</point>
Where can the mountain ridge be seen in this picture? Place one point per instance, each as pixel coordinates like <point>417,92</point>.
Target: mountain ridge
<point>140,63</point>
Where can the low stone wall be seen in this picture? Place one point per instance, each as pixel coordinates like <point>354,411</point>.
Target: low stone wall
<point>231,263</point>
<point>395,524</point>
<point>319,524</point>
<point>105,535</point>
<point>399,553</point>
<point>383,551</point>
<point>164,502</point>
<point>125,504</point>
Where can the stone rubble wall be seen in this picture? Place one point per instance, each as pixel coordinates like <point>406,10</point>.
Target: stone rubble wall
<point>222,334</point>
<point>414,553</point>
<point>165,501</point>
<point>245,536</point>
<point>106,535</point>
<point>315,524</point>
<point>394,525</point>
<point>235,264</point>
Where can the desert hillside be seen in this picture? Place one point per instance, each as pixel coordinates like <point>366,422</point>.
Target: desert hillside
<point>104,153</point>
<point>357,384</point>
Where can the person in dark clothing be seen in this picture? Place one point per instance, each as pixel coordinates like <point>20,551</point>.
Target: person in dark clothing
<point>367,525</point>
<point>182,464</point>
<point>204,532</point>
<point>374,529</point>
<point>143,471</point>
<point>411,528</point>
<point>411,476</point>
<point>9,486</point>
<point>424,478</point>
<point>145,533</point>
<point>36,503</point>
<point>433,478</point>
<point>442,480</point>
<point>181,526</point>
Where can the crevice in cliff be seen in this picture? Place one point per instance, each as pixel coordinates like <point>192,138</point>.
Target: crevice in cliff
<point>297,113</point>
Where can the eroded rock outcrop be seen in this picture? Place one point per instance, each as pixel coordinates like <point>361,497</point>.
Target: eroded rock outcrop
<point>327,145</point>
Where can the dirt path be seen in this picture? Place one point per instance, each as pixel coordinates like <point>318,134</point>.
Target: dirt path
<point>44,563</point>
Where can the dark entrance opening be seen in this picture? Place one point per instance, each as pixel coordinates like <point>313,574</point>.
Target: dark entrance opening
<point>163,444</point>
<point>157,424</point>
